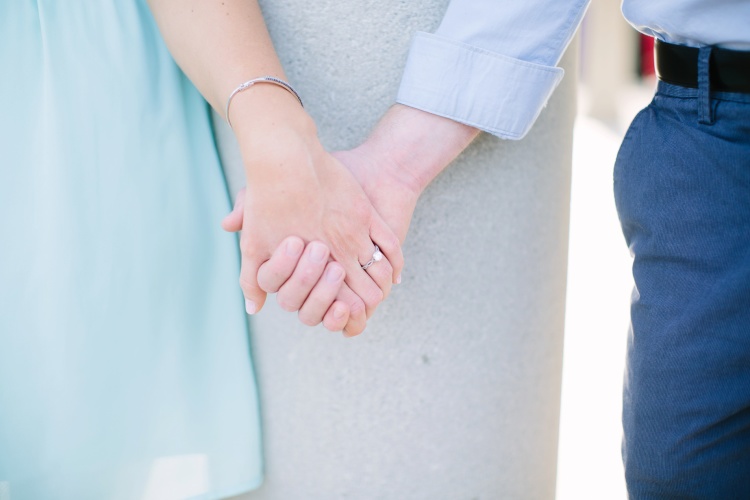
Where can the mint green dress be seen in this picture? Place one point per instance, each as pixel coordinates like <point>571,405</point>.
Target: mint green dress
<point>125,368</point>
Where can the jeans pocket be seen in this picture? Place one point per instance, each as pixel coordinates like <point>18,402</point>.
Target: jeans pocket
<point>626,147</point>
<point>631,165</point>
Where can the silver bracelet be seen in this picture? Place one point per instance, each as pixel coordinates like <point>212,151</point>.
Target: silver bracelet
<point>262,79</point>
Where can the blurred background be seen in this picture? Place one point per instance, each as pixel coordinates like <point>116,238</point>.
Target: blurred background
<point>616,81</point>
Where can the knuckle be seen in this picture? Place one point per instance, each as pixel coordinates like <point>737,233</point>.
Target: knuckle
<point>392,243</point>
<point>374,297</point>
<point>246,285</point>
<point>339,246</point>
<point>285,303</point>
<point>307,278</point>
<point>386,270</point>
<point>357,309</point>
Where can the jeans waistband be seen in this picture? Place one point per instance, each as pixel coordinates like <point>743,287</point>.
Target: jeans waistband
<point>672,90</point>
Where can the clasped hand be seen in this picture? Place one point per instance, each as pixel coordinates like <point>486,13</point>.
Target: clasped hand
<point>308,225</point>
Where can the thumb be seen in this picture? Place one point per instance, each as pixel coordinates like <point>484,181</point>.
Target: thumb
<point>255,297</point>
<point>233,221</point>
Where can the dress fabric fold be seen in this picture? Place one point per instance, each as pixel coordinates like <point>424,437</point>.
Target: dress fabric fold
<point>125,365</point>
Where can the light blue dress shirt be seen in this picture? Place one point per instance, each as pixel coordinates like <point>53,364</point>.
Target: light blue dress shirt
<point>493,64</point>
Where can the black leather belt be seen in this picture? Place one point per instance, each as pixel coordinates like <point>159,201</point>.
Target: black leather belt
<point>729,70</point>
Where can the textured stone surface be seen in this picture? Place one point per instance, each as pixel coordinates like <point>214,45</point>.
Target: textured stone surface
<point>453,390</point>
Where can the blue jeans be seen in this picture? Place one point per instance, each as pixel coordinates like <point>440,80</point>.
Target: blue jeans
<point>682,188</point>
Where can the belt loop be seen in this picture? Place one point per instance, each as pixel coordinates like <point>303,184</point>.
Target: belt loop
<point>704,86</point>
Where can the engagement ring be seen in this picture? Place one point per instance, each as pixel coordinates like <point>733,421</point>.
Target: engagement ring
<point>377,256</point>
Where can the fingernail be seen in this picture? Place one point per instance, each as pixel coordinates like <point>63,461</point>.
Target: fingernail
<point>250,306</point>
<point>339,312</point>
<point>398,279</point>
<point>294,247</point>
<point>317,252</point>
<point>333,274</point>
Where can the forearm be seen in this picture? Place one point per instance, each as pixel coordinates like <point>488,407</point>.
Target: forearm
<point>217,44</point>
<point>418,145</point>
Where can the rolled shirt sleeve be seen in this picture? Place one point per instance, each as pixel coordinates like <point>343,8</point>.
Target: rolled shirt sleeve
<point>492,63</point>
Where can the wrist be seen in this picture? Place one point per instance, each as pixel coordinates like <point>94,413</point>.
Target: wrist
<point>270,124</point>
<point>418,145</point>
<point>266,107</point>
<point>263,80</point>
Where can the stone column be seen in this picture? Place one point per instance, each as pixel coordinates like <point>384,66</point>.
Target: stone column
<point>453,391</point>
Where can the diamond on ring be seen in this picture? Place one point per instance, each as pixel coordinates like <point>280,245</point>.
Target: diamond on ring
<point>377,256</point>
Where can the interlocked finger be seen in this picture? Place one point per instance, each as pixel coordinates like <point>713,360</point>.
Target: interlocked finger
<point>295,291</point>
<point>322,296</point>
<point>279,268</point>
<point>357,320</point>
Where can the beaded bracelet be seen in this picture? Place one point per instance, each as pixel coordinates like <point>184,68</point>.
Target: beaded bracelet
<point>262,79</point>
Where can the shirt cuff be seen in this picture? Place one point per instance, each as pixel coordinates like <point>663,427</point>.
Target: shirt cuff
<point>492,92</point>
